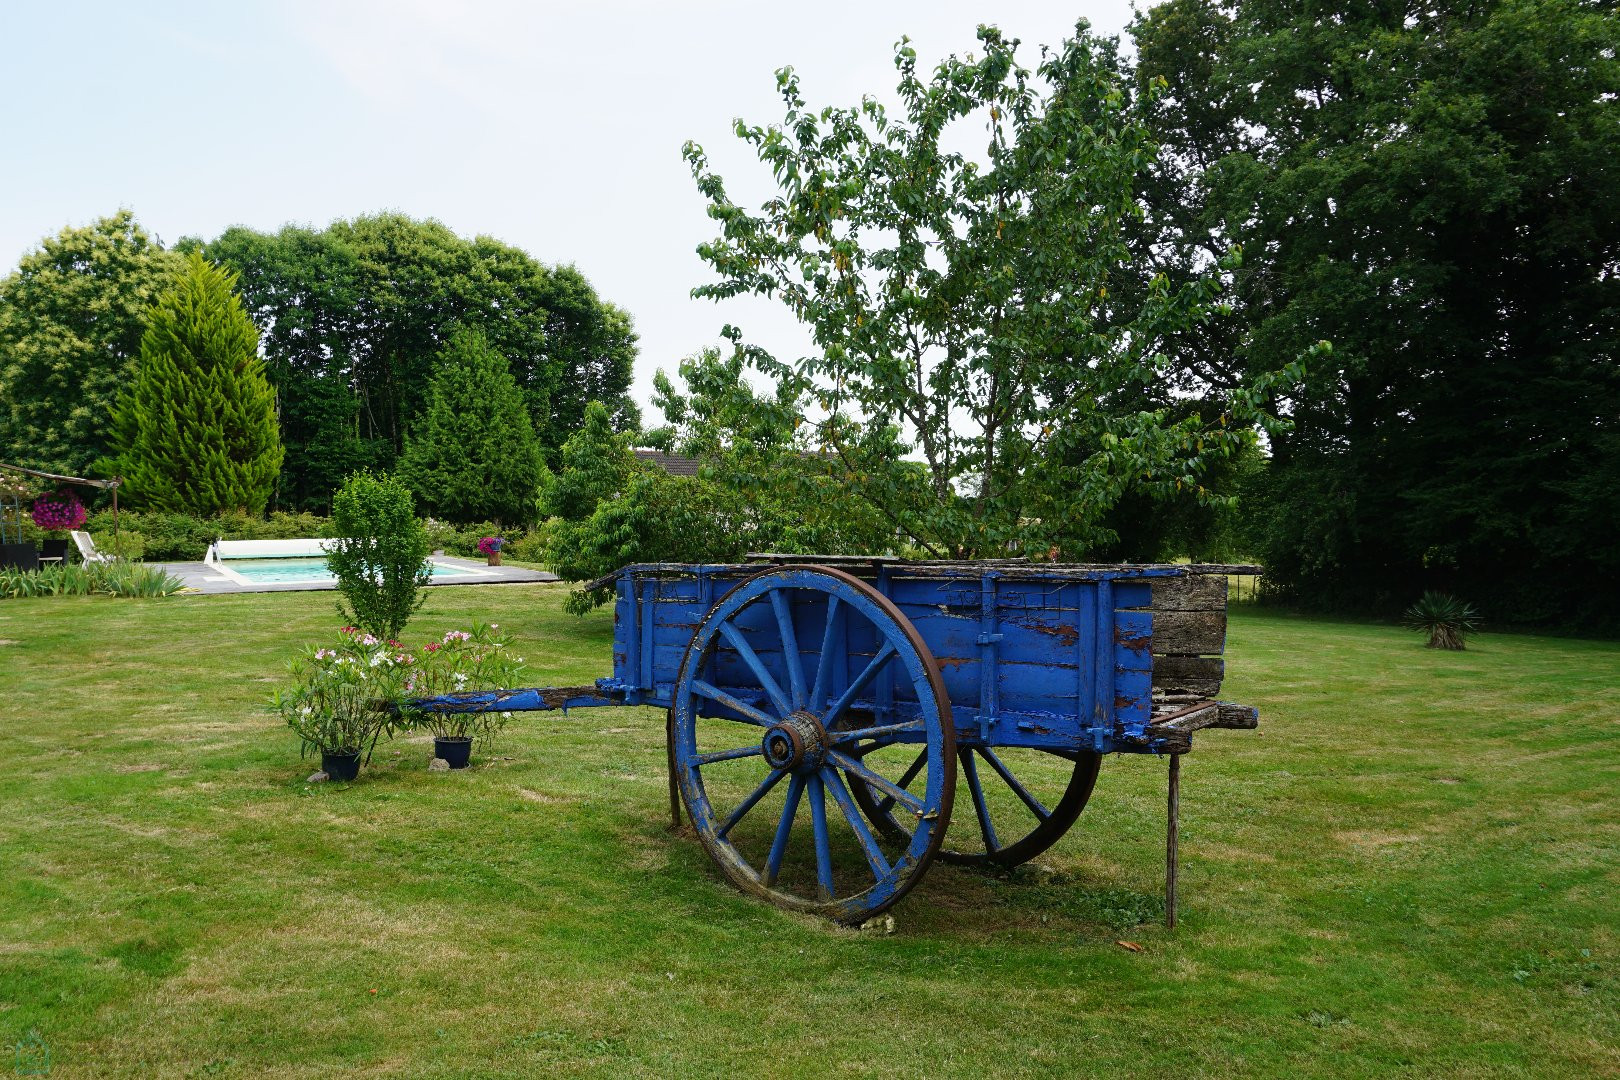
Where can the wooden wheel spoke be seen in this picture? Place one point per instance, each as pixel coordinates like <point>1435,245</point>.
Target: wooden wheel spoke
<point>818,821</point>
<point>790,647</point>
<point>729,755</point>
<point>906,777</point>
<point>970,772</point>
<point>882,783</point>
<point>841,737</point>
<point>735,704</point>
<point>767,681</point>
<point>824,660</point>
<point>860,682</point>
<point>749,803</point>
<point>784,828</point>
<point>1035,805</point>
<point>857,824</point>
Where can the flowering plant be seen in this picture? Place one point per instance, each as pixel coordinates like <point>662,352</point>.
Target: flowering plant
<point>59,512</point>
<point>345,696</point>
<point>460,661</point>
<point>489,545</point>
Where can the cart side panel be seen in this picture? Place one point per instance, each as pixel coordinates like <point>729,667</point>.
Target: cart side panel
<point>1059,662</point>
<point>1059,673</point>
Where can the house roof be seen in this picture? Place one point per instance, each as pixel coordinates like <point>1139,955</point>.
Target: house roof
<point>674,464</point>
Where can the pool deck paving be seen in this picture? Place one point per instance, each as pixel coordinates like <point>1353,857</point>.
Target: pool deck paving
<point>202,578</point>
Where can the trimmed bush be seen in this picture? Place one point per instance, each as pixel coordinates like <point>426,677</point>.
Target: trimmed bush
<point>185,537</point>
<point>380,556</point>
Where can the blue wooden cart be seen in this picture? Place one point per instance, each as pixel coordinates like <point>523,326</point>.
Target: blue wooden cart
<point>860,694</point>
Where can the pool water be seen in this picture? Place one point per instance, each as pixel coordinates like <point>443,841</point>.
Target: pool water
<point>312,571</point>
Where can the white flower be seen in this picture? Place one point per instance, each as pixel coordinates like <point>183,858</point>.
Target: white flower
<point>506,716</point>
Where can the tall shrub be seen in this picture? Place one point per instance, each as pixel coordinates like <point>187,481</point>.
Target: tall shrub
<point>198,430</point>
<point>473,455</point>
<point>380,554</point>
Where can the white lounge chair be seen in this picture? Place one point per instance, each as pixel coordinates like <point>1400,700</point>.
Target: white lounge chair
<point>87,548</point>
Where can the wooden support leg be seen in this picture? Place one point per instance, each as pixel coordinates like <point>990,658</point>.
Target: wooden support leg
<point>674,788</point>
<point>1171,838</point>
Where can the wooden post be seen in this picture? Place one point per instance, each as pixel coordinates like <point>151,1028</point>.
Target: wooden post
<point>1171,838</point>
<point>674,787</point>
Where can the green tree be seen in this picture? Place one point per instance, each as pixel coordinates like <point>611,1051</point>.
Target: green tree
<point>357,314</point>
<point>753,447</point>
<point>473,455</point>
<point>595,463</point>
<point>963,306</point>
<point>379,555</point>
<point>1430,187</point>
<point>200,420</point>
<point>71,319</point>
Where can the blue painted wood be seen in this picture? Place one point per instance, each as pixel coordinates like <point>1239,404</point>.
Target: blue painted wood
<point>1058,662</point>
<point>1054,662</point>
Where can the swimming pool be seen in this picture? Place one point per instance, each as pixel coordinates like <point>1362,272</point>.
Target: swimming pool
<point>312,571</point>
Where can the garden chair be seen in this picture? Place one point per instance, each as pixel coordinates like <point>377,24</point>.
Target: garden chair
<point>19,556</point>
<point>87,548</point>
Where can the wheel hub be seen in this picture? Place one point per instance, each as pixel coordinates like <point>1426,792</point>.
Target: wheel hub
<point>798,742</point>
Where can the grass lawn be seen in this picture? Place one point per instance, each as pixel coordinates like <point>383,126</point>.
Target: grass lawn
<point>1412,869</point>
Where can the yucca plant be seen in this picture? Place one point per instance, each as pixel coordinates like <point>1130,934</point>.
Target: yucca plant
<point>1447,620</point>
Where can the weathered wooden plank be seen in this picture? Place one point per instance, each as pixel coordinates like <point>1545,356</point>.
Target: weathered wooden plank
<point>1193,677</point>
<point>1241,717</point>
<point>1189,633</point>
<point>1175,727</point>
<point>1195,592</point>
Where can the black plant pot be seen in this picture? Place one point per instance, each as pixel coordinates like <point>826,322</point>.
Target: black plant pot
<point>341,766</point>
<point>455,751</point>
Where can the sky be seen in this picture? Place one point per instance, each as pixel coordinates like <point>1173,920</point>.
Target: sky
<point>555,128</point>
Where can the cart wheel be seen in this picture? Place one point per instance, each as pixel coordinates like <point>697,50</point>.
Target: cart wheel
<point>786,669</point>
<point>1024,800</point>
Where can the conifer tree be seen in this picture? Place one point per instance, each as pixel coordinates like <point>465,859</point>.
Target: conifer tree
<point>473,455</point>
<point>596,464</point>
<point>198,430</point>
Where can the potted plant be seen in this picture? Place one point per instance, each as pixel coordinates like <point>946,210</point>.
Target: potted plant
<point>462,660</point>
<point>491,548</point>
<point>343,698</point>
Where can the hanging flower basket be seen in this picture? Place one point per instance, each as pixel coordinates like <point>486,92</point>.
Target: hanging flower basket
<point>59,512</point>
